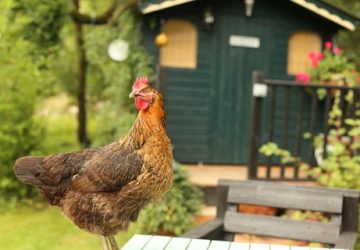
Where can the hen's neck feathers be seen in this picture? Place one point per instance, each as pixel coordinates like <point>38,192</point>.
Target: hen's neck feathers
<point>149,122</point>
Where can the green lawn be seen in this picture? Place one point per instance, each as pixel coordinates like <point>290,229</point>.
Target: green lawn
<point>31,229</point>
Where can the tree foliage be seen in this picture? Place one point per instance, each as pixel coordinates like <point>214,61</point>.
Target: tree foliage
<point>43,20</point>
<point>38,61</point>
<point>20,132</point>
<point>115,78</point>
<point>349,40</point>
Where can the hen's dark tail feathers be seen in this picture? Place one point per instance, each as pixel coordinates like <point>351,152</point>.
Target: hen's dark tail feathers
<point>27,169</point>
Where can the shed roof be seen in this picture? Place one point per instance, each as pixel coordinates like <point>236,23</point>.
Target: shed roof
<point>148,6</point>
<point>319,7</point>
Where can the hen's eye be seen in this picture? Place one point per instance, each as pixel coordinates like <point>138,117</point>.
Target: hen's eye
<point>146,90</point>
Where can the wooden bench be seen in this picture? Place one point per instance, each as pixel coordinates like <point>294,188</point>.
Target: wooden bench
<point>341,204</point>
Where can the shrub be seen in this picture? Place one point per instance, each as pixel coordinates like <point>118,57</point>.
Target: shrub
<point>341,168</point>
<point>174,214</point>
<point>20,133</point>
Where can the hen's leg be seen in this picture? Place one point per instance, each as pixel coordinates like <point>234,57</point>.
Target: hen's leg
<point>113,243</point>
<point>105,243</point>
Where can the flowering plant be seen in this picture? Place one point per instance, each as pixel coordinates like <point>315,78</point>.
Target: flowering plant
<point>329,67</point>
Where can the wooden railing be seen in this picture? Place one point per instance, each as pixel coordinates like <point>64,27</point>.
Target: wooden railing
<point>282,111</point>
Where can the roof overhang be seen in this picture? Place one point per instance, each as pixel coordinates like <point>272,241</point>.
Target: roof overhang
<point>326,14</point>
<point>152,7</point>
<point>319,7</point>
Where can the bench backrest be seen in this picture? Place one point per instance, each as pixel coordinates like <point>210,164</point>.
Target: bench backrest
<point>335,202</point>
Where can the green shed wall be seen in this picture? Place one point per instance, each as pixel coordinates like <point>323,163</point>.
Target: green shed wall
<point>208,108</point>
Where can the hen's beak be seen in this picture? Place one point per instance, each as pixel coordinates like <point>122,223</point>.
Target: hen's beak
<point>136,92</point>
<point>133,94</point>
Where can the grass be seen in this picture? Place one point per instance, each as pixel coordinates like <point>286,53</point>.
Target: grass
<point>30,229</point>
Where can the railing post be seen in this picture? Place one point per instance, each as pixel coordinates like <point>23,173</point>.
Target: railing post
<point>258,92</point>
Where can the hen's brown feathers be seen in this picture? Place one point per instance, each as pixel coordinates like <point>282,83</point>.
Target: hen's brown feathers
<point>101,190</point>
<point>112,168</point>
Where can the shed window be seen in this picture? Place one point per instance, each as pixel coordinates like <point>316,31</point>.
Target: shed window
<point>300,45</point>
<point>182,45</point>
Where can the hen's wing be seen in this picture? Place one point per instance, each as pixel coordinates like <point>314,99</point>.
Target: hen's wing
<point>90,170</point>
<point>51,170</point>
<point>52,174</point>
<point>110,170</point>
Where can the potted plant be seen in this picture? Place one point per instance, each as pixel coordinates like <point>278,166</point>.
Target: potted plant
<point>329,67</point>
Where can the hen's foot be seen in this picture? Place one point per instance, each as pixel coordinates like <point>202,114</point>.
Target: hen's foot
<point>112,242</point>
<point>105,243</point>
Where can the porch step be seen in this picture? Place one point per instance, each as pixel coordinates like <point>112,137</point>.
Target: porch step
<point>208,175</point>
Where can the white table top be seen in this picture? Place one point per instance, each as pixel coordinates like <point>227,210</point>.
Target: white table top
<point>152,242</point>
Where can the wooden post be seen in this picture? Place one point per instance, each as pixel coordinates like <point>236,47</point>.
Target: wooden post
<point>221,203</point>
<point>257,77</point>
<point>351,212</point>
<point>222,206</point>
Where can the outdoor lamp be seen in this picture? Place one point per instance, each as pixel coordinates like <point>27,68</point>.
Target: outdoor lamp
<point>161,39</point>
<point>249,5</point>
<point>209,18</point>
<point>118,50</point>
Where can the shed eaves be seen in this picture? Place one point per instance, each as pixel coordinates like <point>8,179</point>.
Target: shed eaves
<point>319,7</point>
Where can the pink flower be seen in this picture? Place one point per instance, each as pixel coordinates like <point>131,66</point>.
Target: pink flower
<point>328,45</point>
<point>337,51</point>
<point>315,58</point>
<point>358,79</point>
<point>303,77</point>
<point>314,63</point>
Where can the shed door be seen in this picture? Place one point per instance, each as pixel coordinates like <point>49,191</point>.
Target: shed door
<point>235,64</point>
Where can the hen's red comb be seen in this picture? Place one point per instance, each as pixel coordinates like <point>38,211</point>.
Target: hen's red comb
<point>140,82</point>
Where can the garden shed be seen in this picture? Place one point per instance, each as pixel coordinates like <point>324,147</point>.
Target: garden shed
<point>211,50</point>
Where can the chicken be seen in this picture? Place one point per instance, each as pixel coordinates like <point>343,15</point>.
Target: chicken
<point>102,190</point>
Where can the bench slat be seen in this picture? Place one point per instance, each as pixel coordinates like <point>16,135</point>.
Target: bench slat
<point>254,183</point>
<point>255,246</point>
<point>196,244</point>
<point>279,247</point>
<point>219,245</point>
<point>318,248</point>
<point>239,246</point>
<point>281,228</point>
<point>205,230</point>
<point>178,244</point>
<point>346,240</point>
<point>137,242</point>
<point>286,196</point>
<point>157,242</point>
